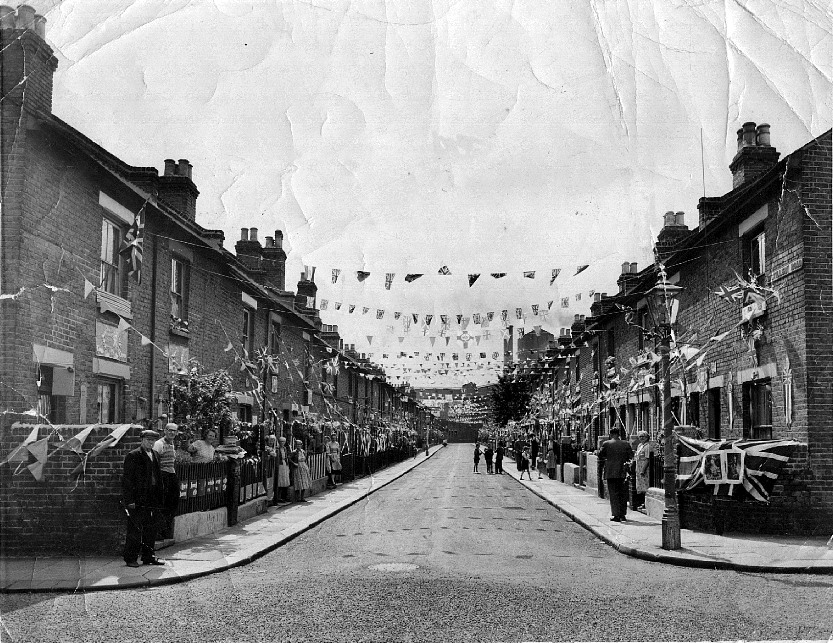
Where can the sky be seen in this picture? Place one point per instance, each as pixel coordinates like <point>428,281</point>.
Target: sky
<point>401,136</point>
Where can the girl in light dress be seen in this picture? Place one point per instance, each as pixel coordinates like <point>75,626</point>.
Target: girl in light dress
<point>302,480</point>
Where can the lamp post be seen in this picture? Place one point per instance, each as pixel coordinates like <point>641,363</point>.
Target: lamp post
<point>660,300</point>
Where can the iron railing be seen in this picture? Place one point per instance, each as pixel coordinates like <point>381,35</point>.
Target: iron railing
<point>202,487</point>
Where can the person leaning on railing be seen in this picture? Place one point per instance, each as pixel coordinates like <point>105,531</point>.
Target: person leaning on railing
<point>203,450</point>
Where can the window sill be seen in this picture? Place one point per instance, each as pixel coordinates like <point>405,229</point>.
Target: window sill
<point>180,332</point>
<point>108,302</point>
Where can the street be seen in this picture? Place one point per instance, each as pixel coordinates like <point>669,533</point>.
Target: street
<point>441,554</point>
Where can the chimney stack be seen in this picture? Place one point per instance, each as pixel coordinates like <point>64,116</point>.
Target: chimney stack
<point>274,261</point>
<point>248,252</point>
<point>755,154</point>
<point>177,189</point>
<point>306,288</point>
<point>628,278</point>
<point>674,230</point>
<point>28,65</point>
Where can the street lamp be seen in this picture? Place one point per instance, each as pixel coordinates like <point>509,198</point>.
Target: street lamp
<point>660,301</point>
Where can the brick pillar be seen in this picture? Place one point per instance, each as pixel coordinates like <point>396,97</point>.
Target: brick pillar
<point>233,497</point>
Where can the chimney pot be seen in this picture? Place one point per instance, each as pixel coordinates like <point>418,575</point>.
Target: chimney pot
<point>7,17</point>
<point>184,168</point>
<point>40,26</point>
<point>668,219</point>
<point>626,268</point>
<point>597,296</point>
<point>679,218</point>
<point>763,135</point>
<point>749,134</point>
<point>25,17</point>
<point>633,268</point>
<point>270,242</point>
<point>252,234</point>
<point>740,139</point>
<point>604,294</point>
<point>244,234</point>
<point>278,239</point>
<point>170,167</point>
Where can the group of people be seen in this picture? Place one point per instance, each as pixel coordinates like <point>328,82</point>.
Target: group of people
<point>615,458</point>
<point>150,485</point>
<point>529,455</point>
<point>490,455</point>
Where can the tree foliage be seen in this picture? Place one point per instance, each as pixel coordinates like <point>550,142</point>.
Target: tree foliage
<point>510,400</point>
<point>201,401</point>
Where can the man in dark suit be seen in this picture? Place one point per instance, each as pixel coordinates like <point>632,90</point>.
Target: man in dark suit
<point>142,496</point>
<point>614,455</point>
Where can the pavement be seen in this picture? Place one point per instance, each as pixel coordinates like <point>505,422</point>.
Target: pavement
<point>231,547</point>
<point>640,536</point>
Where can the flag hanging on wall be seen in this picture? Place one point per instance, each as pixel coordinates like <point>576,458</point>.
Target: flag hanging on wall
<point>336,273</point>
<point>133,245</point>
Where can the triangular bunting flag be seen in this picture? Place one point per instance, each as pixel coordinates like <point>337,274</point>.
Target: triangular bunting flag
<point>365,310</point>
<point>472,279</point>
<point>388,280</point>
<point>77,441</point>
<point>444,271</point>
<point>145,340</point>
<point>555,273</point>
<point>529,274</point>
<point>336,273</point>
<point>351,308</point>
<point>15,453</point>
<point>88,288</point>
<point>361,275</point>
<point>412,277</point>
<point>582,268</point>
<point>369,340</point>
<point>498,275</point>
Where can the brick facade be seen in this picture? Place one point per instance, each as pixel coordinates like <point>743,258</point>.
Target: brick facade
<point>786,205</point>
<point>63,348</point>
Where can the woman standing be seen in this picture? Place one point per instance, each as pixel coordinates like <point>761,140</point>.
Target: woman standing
<point>203,450</point>
<point>524,464</point>
<point>333,460</point>
<point>476,456</point>
<point>642,457</point>
<point>551,460</point>
<point>282,460</point>
<point>302,480</point>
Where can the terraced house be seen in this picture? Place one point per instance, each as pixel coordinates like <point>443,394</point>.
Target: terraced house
<point>111,293</point>
<point>752,331</point>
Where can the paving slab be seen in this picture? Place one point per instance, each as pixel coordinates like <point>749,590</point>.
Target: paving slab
<point>641,536</point>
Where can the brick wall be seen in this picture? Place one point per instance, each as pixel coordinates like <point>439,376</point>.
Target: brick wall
<point>62,513</point>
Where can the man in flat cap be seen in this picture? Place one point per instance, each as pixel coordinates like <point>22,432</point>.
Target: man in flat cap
<point>142,495</point>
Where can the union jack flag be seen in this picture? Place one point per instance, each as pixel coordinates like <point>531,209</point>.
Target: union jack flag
<point>133,245</point>
<point>762,463</point>
<point>730,293</point>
